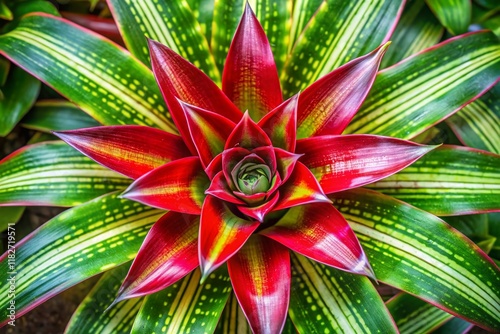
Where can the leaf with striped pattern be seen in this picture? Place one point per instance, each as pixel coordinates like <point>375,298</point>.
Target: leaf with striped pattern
<point>455,15</point>
<point>54,174</point>
<point>186,306</point>
<point>57,115</point>
<point>455,326</point>
<point>410,97</point>
<point>90,316</point>
<point>478,123</point>
<point>171,23</point>
<point>303,11</point>
<point>417,30</point>
<point>359,27</point>
<point>418,253</point>
<point>97,75</point>
<point>326,300</point>
<point>79,243</point>
<point>451,180</point>
<point>203,10</point>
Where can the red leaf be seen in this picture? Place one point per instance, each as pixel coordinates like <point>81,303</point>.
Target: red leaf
<point>321,233</point>
<point>250,78</point>
<point>350,161</point>
<point>168,253</point>
<point>178,186</point>
<point>214,167</point>
<point>220,189</point>
<point>260,274</point>
<point>285,162</point>
<point>259,212</point>
<point>131,150</point>
<point>222,234</point>
<point>247,134</point>
<point>179,79</point>
<point>328,105</point>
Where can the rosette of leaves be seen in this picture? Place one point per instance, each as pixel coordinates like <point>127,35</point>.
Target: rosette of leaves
<point>282,152</point>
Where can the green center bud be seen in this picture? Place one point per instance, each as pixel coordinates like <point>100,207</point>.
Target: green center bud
<point>253,178</point>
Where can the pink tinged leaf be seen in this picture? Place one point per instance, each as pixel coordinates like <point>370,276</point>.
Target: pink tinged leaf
<point>179,79</point>
<point>281,124</point>
<point>220,189</point>
<point>131,150</point>
<point>260,274</point>
<point>259,212</point>
<point>214,167</point>
<point>169,252</point>
<point>222,234</point>
<point>301,188</point>
<point>350,161</point>
<point>178,186</point>
<point>208,130</point>
<point>285,162</point>
<point>247,134</point>
<point>250,78</point>
<point>321,233</point>
<point>328,105</point>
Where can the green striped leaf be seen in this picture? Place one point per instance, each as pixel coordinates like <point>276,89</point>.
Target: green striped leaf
<point>203,10</point>
<point>186,306</point>
<point>455,15</point>
<point>420,91</point>
<point>478,123</point>
<point>340,31</point>
<point>171,23</point>
<point>417,30</point>
<point>90,317</point>
<point>53,173</point>
<point>451,180</point>
<point>327,300</point>
<point>455,326</point>
<point>273,15</point>
<point>303,11</point>
<point>57,115</point>
<point>19,93</point>
<point>81,242</point>
<point>95,74</point>
<point>418,253</point>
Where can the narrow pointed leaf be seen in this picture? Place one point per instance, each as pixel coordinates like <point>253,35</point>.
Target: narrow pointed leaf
<point>319,232</point>
<point>178,186</point>
<point>410,97</point>
<point>303,12</point>
<point>90,316</point>
<point>345,162</point>
<point>260,275</point>
<point>418,253</point>
<point>186,306</point>
<point>167,254</point>
<point>285,162</point>
<point>417,30</point>
<point>220,189</point>
<point>222,234</point>
<point>259,212</point>
<point>171,23</point>
<point>329,104</point>
<point>327,300</point>
<point>77,244</point>
<point>247,134</point>
<point>281,124</point>
<point>359,28</point>
<point>54,174</point>
<point>57,115</point>
<point>203,10</point>
<point>127,149</point>
<point>455,325</point>
<point>250,78</point>
<point>455,15</point>
<point>121,92</point>
<point>452,180</point>
<point>233,318</point>
<point>478,123</point>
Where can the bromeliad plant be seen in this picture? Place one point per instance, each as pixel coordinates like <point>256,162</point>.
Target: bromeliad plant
<point>257,177</point>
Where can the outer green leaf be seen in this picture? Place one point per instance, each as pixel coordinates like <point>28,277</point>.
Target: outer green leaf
<point>171,23</point>
<point>418,253</point>
<point>340,31</point>
<point>19,93</point>
<point>97,75</point>
<point>5,12</point>
<point>455,15</point>
<point>53,173</point>
<point>79,243</point>
<point>21,8</point>
<point>91,315</point>
<point>203,10</point>
<point>418,92</point>
<point>451,180</point>
<point>455,326</point>
<point>478,123</point>
<point>4,73</point>
<point>57,115</point>
<point>418,29</point>
<point>273,15</point>
<point>186,306</point>
<point>326,300</point>
<point>303,11</point>
<point>10,216</point>
<point>470,225</point>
